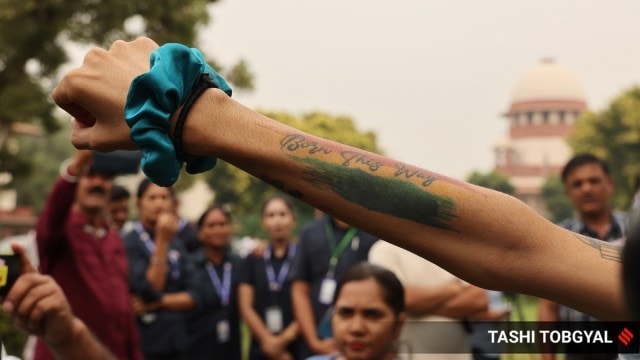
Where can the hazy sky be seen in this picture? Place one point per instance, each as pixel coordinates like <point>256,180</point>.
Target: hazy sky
<point>431,78</point>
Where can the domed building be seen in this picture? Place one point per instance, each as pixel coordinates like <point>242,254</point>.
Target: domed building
<point>544,107</point>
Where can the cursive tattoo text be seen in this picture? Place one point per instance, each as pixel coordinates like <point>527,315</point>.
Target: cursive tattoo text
<point>358,158</point>
<point>296,141</point>
<point>403,170</point>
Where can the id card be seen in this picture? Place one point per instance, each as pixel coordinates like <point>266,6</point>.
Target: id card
<point>355,243</point>
<point>148,318</point>
<point>223,331</point>
<point>273,317</point>
<point>327,289</point>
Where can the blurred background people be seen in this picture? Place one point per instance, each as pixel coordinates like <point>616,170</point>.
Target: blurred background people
<point>86,257</point>
<point>214,328</point>
<point>160,274</point>
<point>327,248</point>
<point>187,232</point>
<point>265,289</point>
<point>437,304</point>
<point>118,207</point>
<point>368,314</point>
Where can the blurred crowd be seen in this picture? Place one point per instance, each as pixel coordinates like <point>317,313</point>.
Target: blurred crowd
<point>160,287</point>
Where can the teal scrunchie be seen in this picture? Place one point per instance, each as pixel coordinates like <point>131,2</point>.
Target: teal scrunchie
<point>153,97</point>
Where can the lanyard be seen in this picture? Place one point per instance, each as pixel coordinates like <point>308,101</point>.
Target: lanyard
<point>182,223</point>
<point>144,236</point>
<point>275,282</point>
<point>146,240</point>
<point>337,250</point>
<point>223,288</point>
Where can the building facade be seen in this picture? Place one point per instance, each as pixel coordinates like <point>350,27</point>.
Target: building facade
<point>545,104</point>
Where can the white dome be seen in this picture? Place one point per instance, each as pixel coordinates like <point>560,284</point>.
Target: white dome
<point>548,81</point>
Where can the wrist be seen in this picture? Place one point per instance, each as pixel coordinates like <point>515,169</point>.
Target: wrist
<point>154,98</point>
<point>68,338</point>
<point>158,260</point>
<point>199,129</point>
<point>154,306</point>
<point>317,345</point>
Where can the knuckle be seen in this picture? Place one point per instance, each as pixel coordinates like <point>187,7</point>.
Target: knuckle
<point>118,44</point>
<point>93,55</point>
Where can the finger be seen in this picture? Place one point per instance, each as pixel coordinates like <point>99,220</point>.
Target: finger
<point>21,289</point>
<point>69,92</point>
<point>27,266</point>
<point>47,305</point>
<point>117,45</point>
<point>34,296</point>
<point>81,134</point>
<point>145,44</point>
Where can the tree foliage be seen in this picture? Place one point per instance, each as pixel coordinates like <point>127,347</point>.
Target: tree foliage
<point>492,180</point>
<point>34,39</point>
<point>45,154</point>
<point>614,135</point>
<point>555,199</point>
<point>246,194</point>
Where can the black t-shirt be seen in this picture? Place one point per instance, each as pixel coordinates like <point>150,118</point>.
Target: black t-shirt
<point>255,274</point>
<point>202,323</point>
<point>163,331</point>
<point>314,252</point>
<point>188,234</point>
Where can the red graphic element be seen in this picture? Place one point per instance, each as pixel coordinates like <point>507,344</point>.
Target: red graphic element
<point>625,336</point>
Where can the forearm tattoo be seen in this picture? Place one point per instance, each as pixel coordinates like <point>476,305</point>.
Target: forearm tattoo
<point>607,250</point>
<point>369,180</point>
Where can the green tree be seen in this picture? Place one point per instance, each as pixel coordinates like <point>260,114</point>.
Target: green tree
<point>34,36</point>
<point>556,200</point>
<point>46,154</point>
<point>614,135</point>
<point>245,193</point>
<point>492,180</point>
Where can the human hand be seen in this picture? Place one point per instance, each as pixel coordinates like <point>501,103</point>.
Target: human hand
<point>325,346</point>
<point>37,304</point>
<point>285,356</point>
<point>137,304</point>
<point>273,346</point>
<point>80,162</point>
<point>259,248</point>
<point>140,307</point>
<point>166,226</point>
<point>95,94</point>
<point>492,315</point>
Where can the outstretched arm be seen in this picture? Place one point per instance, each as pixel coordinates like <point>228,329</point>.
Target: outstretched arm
<point>485,237</point>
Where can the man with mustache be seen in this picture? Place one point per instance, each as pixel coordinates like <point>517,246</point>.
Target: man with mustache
<point>589,186</point>
<point>86,257</point>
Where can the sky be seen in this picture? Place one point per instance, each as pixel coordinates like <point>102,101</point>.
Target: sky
<point>430,78</point>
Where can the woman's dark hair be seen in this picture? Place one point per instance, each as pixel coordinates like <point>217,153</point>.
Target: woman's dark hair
<point>144,185</point>
<point>206,213</point>
<point>286,200</point>
<point>390,287</point>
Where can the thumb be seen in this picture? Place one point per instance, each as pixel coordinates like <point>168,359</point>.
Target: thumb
<point>27,266</point>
